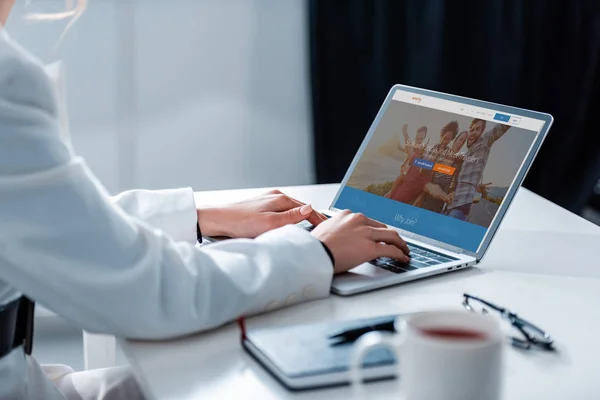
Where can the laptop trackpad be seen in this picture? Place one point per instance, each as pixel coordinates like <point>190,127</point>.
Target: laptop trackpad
<point>362,272</point>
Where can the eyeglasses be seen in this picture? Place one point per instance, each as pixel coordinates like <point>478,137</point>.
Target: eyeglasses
<point>531,335</point>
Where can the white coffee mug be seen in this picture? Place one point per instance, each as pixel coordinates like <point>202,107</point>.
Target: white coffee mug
<point>447,355</point>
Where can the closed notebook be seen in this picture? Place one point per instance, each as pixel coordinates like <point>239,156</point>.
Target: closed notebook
<point>303,357</point>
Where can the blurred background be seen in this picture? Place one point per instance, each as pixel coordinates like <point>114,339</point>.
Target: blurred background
<point>208,93</point>
<point>219,94</point>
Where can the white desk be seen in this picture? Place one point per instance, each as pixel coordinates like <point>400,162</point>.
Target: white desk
<point>541,264</point>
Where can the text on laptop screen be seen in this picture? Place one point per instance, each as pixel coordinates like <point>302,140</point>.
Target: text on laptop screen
<point>438,168</point>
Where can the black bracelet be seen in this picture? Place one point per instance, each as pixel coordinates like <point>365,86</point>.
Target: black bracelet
<point>329,253</point>
<point>198,232</point>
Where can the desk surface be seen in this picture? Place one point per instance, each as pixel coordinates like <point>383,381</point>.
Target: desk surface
<point>541,264</point>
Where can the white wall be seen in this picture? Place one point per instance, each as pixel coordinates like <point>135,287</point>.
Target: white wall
<point>204,93</point>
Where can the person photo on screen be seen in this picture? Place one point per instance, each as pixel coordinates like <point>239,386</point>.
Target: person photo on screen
<point>479,145</point>
<point>406,189</point>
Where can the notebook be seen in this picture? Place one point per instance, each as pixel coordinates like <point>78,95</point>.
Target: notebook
<point>302,357</point>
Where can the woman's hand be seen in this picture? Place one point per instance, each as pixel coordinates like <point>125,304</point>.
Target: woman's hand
<point>253,217</point>
<point>354,239</point>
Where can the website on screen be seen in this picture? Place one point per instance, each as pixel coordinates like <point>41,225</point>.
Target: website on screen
<point>439,168</point>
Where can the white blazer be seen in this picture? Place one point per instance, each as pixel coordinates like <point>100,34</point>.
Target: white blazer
<point>126,266</point>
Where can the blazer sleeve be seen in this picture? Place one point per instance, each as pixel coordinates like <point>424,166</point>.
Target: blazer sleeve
<point>172,211</point>
<point>67,245</point>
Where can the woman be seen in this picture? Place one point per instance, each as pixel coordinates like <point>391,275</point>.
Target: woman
<point>413,151</point>
<point>128,266</point>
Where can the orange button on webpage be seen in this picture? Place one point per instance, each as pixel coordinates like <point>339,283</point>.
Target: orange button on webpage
<point>444,169</point>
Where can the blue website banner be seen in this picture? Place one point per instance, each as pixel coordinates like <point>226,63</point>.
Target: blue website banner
<point>413,219</point>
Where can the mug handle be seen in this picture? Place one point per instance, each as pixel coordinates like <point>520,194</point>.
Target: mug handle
<point>362,347</point>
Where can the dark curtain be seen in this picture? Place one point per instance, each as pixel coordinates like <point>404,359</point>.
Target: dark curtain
<point>542,55</point>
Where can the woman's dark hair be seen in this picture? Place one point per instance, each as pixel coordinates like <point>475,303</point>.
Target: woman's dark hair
<point>450,127</point>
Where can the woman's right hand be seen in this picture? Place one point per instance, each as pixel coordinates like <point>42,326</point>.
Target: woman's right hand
<point>355,239</point>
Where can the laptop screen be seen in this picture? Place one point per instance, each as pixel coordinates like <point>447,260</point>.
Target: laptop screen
<point>438,168</point>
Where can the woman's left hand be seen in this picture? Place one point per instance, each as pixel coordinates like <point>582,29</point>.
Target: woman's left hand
<point>253,217</point>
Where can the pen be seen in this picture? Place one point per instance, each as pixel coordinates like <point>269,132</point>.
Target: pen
<point>353,334</point>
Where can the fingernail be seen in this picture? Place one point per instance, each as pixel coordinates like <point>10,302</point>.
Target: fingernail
<point>306,210</point>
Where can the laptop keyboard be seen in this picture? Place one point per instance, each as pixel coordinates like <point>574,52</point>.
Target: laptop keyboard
<point>419,257</point>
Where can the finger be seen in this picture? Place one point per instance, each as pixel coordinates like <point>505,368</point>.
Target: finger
<point>315,218</point>
<point>390,237</point>
<point>292,216</point>
<point>389,250</point>
<point>284,203</point>
<point>298,203</point>
<point>341,214</point>
<point>361,219</point>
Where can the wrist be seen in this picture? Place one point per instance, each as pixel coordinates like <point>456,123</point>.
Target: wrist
<point>329,254</point>
<point>208,221</point>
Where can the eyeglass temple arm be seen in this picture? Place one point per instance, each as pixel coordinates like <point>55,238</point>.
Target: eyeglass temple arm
<point>487,303</point>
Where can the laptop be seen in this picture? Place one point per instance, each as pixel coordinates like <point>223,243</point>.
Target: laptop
<point>442,170</point>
